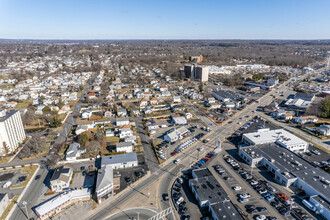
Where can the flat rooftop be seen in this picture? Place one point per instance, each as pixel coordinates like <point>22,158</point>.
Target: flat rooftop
<point>208,189</point>
<point>317,178</point>
<point>120,158</point>
<point>282,158</point>
<point>263,136</point>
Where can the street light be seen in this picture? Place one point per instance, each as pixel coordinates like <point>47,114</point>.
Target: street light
<point>27,213</point>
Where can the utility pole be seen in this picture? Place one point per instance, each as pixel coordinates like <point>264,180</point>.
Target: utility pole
<point>27,213</point>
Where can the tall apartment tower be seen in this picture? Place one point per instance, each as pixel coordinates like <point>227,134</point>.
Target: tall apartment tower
<point>189,71</point>
<point>202,73</point>
<point>11,131</point>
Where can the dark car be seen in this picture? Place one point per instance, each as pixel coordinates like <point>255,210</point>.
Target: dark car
<point>128,179</point>
<point>176,189</point>
<point>261,209</point>
<point>37,177</point>
<point>251,211</point>
<point>137,174</point>
<point>165,196</point>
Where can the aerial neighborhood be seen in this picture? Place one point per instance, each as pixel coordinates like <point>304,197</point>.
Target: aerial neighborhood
<point>83,126</point>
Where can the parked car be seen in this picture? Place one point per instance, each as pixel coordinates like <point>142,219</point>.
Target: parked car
<point>236,188</point>
<point>243,200</point>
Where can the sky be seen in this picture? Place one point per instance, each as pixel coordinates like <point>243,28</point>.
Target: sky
<point>165,19</point>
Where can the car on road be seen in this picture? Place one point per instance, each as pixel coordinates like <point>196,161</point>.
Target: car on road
<point>165,196</point>
<point>37,177</point>
<point>177,161</point>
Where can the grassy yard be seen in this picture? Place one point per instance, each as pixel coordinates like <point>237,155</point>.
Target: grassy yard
<point>27,169</point>
<point>5,159</point>
<point>41,154</point>
<point>93,117</point>
<point>113,139</point>
<point>9,207</point>
<point>24,104</point>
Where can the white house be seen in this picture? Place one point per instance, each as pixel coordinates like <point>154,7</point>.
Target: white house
<point>324,130</point>
<point>124,147</point>
<point>121,112</point>
<point>123,132</point>
<point>177,134</point>
<point>64,109</point>
<point>61,178</point>
<point>122,121</point>
<point>82,128</point>
<point>86,114</point>
<point>74,151</point>
<point>176,99</point>
<point>306,119</point>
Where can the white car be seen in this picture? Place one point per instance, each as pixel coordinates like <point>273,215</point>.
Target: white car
<point>243,200</point>
<point>177,161</point>
<point>236,188</point>
<point>244,196</point>
<point>179,200</point>
<point>200,149</point>
<point>260,217</point>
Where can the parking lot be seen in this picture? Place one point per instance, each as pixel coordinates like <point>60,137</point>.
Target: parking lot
<point>165,150</point>
<point>279,204</point>
<point>15,177</point>
<point>83,179</point>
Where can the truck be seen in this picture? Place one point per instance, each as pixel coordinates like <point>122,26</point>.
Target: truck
<point>309,205</point>
<point>7,184</point>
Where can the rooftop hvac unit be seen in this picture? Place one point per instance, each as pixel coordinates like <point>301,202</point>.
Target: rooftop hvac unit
<point>272,160</point>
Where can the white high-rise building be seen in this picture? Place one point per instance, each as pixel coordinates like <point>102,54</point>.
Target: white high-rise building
<point>202,73</point>
<point>11,131</point>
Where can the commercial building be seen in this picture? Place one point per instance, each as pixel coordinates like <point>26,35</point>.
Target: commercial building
<point>228,96</point>
<point>124,147</point>
<point>4,200</point>
<point>197,59</point>
<point>288,168</point>
<point>210,194</point>
<point>179,120</point>
<point>61,179</point>
<point>74,151</point>
<point>104,183</point>
<point>202,73</point>
<point>11,131</point>
<point>322,206</point>
<point>120,161</point>
<point>58,203</point>
<point>300,100</point>
<point>278,136</point>
<point>177,134</point>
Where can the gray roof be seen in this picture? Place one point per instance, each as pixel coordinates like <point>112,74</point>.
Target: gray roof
<point>123,144</point>
<point>304,96</point>
<point>2,195</point>
<point>8,115</point>
<point>322,201</point>
<point>73,150</point>
<point>282,158</point>
<point>227,94</point>
<point>104,177</point>
<point>208,189</point>
<point>120,158</point>
<point>58,171</point>
<point>317,178</point>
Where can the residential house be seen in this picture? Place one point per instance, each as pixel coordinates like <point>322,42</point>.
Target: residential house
<point>177,134</point>
<point>306,119</point>
<point>143,103</point>
<point>83,128</point>
<point>122,121</point>
<point>64,109</point>
<point>324,130</point>
<point>131,139</point>
<point>61,178</point>
<point>153,101</point>
<point>39,110</point>
<point>86,115</point>
<point>123,132</point>
<point>126,147</point>
<point>176,99</point>
<point>74,151</point>
<point>135,111</point>
<point>121,112</point>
